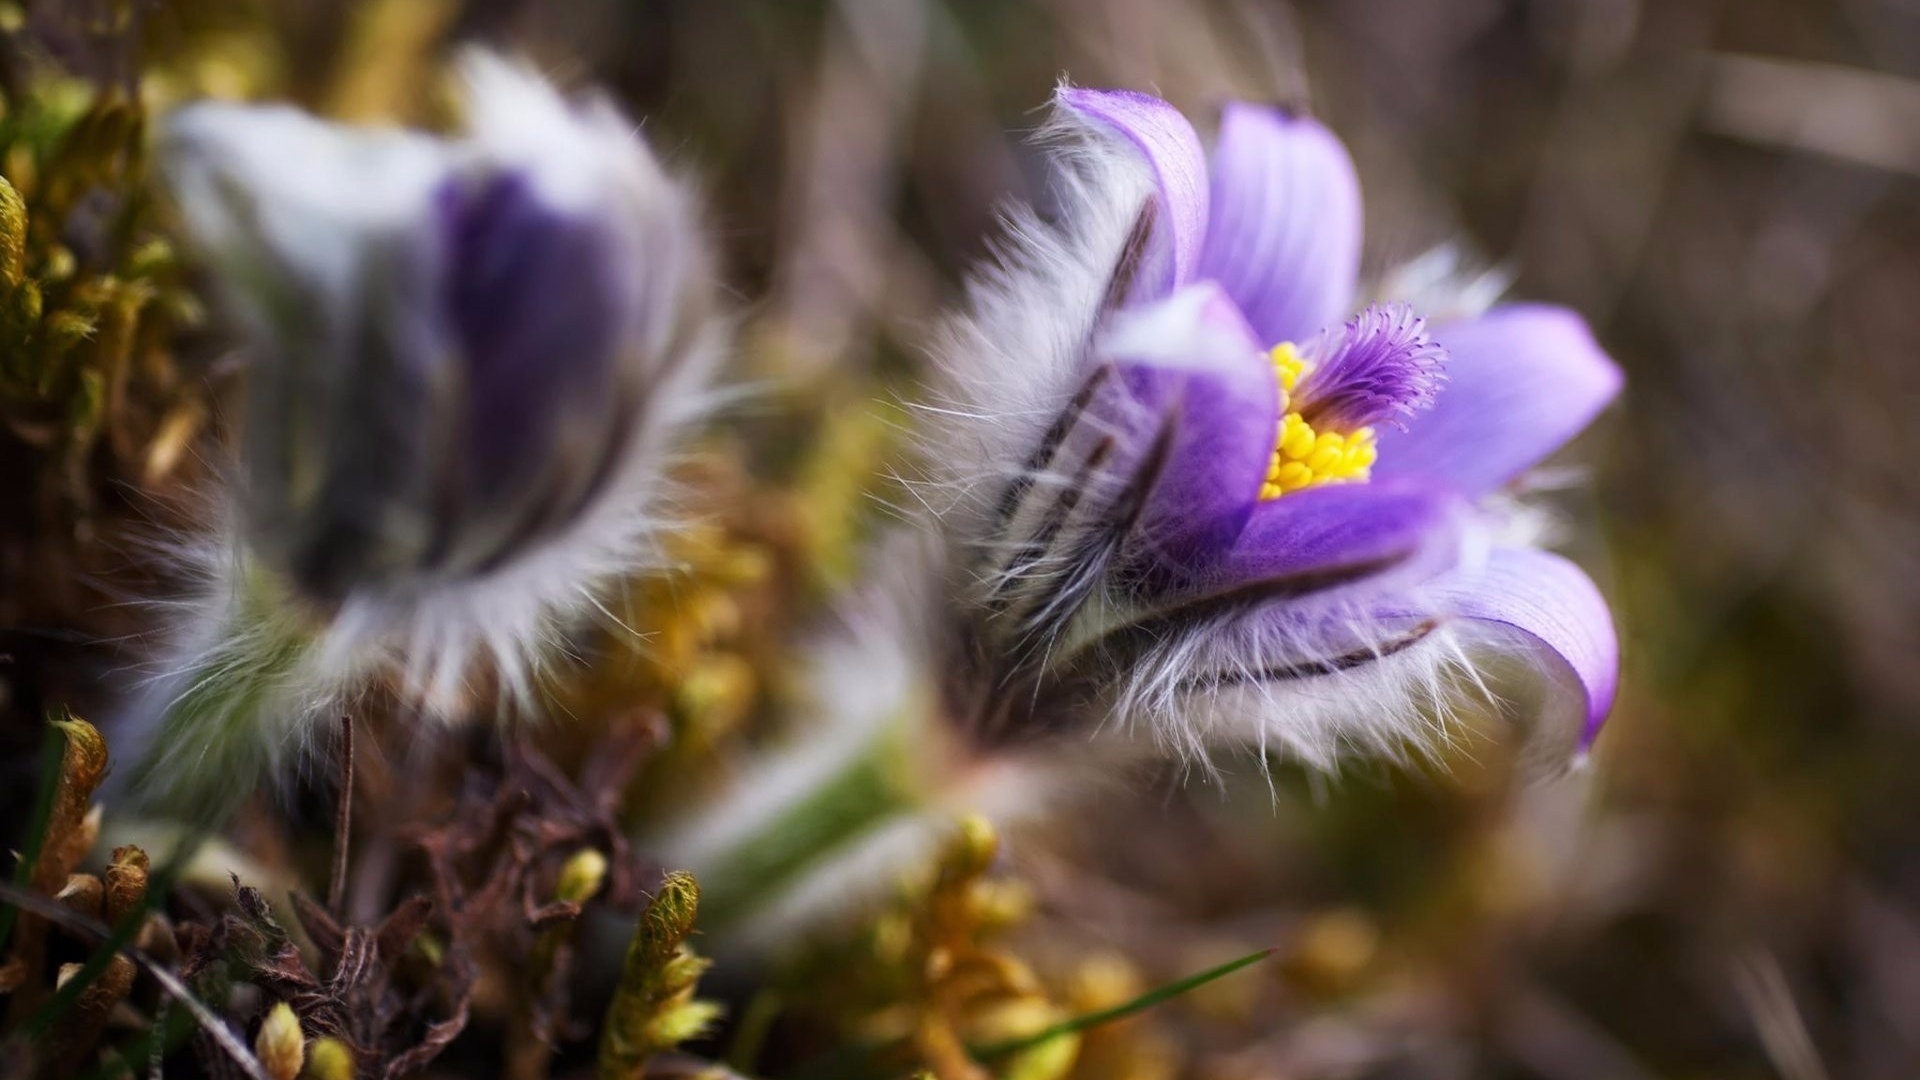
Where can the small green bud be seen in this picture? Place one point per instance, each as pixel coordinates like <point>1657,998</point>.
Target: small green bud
<point>280,1045</point>
<point>65,329</point>
<point>183,309</point>
<point>153,257</point>
<point>654,1009</point>
<point>971,851</point>
<point>682,1022</point>
<point>13,235</point>
<point>582,876</point>
<point>24,307</point>
<point>329,1059</point>
<point>60,263</point>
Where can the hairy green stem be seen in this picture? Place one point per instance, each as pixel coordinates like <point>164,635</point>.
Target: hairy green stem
<point>868,789</point>
<point>231,706</point>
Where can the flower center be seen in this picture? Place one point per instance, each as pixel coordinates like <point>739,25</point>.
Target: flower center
<point>1304,456</point>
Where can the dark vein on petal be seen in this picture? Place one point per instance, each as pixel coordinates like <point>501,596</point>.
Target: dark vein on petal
<point>1090,560</point>
<point>1310,669</point>
<point>1050,443</point>
<point>1034,550</point>
<point>1132,256</point>
<point>1127,641</point>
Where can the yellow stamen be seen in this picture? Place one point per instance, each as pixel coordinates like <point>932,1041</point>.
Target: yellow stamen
<point>1303,457</point>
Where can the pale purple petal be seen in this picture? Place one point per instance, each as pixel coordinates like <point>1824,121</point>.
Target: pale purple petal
<point>1192,362</point>
<point>1521,381</point>
<point>1348,532</point>
<point>1562,619</point>
<point>1179,165</point>
<point>1284,226</point>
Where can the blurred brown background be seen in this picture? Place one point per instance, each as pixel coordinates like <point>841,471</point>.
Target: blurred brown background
<point>1729,189</point>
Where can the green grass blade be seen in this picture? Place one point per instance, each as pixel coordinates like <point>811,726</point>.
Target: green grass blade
<point>858,1062</point>
<point>994,1051</point>
<point>53,751</point>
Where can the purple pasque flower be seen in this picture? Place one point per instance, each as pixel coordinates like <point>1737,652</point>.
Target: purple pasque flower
<point>469,359</point>
<point>1200,487</point>
<point>1183,489</point>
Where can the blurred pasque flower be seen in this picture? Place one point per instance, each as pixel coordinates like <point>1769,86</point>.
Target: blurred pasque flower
<point>470,356</point>
<point>1187,492</point>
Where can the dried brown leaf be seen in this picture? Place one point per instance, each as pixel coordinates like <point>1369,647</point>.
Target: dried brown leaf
<point>319,923</point>
<point>436,1040</point>
<point>397,931</point>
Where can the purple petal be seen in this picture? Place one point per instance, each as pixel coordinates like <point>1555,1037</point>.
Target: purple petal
<point>1565,623</point>
<point>1179,165</point>
<point>1285,226</point>
<point>530,300</point>
<point>1521,381</point>
<point>1192,361</point>
<point>1349,532</point>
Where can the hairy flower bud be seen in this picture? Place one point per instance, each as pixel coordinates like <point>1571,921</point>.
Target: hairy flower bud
<point>463,347</point>
<point>468,359</point>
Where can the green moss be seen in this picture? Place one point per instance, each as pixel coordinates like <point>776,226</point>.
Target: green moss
<point>654,1008</point>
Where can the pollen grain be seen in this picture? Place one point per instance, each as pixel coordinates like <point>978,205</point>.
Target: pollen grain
<point>1303,457</point>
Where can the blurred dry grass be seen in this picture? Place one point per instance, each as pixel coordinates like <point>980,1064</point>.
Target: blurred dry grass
<point>1730,189</point>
